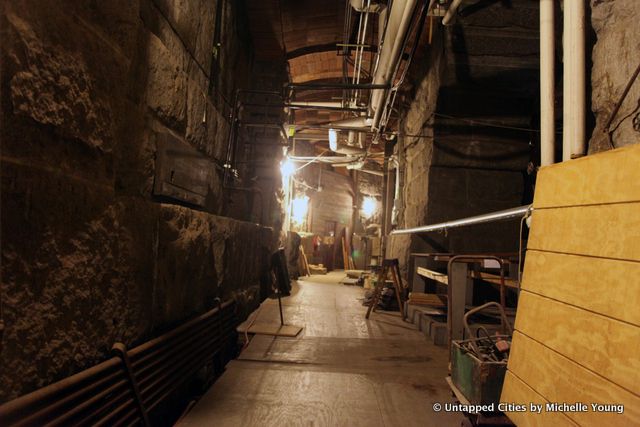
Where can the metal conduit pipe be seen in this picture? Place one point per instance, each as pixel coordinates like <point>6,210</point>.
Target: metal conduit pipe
<point>574,98</point>
<point>331,86</point>
<point>547,82</point>
<point>391,94</point>
<point>478,219</point>
<point>397,26</point>
<point>451,12</point>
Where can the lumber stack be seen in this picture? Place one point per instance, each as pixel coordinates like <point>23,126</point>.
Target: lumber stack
<point>303,263</point>
<point>577,330</point>
<point>433,300</point>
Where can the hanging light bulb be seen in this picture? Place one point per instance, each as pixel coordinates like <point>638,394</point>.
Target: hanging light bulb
<point>369,205</point>
<point>287,168</point>
<point>299,207</point>
<point>333,139</point>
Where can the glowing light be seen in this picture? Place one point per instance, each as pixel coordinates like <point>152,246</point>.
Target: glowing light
<point>299,208</point>
<point>287,168</point>
<point>333,139</point>
<point>369,205</point>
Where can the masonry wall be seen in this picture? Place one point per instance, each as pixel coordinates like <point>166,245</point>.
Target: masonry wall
<point>615,58</point>
<point>450,170</point>
<point>91,255</point>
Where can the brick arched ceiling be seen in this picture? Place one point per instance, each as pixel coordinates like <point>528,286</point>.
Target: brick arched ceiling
<point>306,33</point>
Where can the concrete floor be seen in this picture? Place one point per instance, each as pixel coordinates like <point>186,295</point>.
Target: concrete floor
<point>342,370</point>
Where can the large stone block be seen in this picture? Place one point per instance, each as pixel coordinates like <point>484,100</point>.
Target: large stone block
<point>615,58</point>
<point>55,87</point>
<point>166,90</point>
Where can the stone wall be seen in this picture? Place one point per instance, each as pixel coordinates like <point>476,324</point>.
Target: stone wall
<point>615,58</point>
<point>452,169</point>
<point>90,255</point>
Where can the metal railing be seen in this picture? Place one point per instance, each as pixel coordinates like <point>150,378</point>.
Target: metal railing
<point>125,389</point>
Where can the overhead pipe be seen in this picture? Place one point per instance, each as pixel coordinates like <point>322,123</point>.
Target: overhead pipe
<point>547,82</point>
<point>451,12</point>
<point>397,25</point>
<point>478,219</point>
<point>371,7</point>
<point>330,106</point>
<point>391,95</point>
<point>329,86</point>
<point>574,97</point>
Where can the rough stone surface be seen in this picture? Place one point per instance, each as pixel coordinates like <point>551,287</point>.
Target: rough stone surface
<point>615,58</point>
<point>89,255</point>
<point>453,168</point>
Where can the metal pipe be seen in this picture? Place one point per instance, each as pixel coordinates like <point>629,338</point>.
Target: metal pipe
<point>391,95</point>
<point>574,98</point>
<point>323,86</point>
<point>451,12</point>
<point>334,127</point>
<point>309,106</point>
<point>547,82</point>
<point>321,106</point>
<point>371,172</point>
<point>478,219</point>
<point>399,19</point>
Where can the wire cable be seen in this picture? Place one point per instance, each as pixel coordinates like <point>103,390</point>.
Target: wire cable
<point>520,244</point>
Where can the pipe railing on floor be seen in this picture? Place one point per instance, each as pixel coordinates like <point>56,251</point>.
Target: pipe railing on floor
<point>127,388</point>
<point>518,212</point>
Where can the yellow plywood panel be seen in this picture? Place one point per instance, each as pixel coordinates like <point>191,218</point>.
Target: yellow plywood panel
<point>601,344</point>
<point>560,380</point>
<point>514,391</point>
<point>609,287</point>
<point>607,231</point>
<point>610,177</point>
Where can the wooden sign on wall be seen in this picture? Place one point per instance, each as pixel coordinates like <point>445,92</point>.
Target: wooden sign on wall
<point>182,173</point>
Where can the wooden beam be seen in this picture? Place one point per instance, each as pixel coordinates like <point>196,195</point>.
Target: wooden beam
<point>434,275</point>
<point>494,278</point>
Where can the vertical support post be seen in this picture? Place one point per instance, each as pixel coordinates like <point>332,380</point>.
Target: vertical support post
<point>457,295</point>
<point>574,98</point>
<point>385,203</point>
<point>547,82</point>
<point>417,282</point>
<point>397,284</point>
<point>280,308</point>
<point>382,275</point>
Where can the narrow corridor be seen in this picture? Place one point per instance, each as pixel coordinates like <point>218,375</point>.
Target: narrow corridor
<point>340,370</point>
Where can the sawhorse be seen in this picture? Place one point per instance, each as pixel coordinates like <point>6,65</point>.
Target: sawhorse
<point>387,265</point>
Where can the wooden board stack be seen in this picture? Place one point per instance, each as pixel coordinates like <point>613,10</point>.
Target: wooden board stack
<point>577,335</point>
<point>419,298</point>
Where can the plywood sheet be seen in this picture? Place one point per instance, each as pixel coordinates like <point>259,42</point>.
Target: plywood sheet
<point>272,329</point>
<point>600,344</point>
<point>561,380</point>
<point>516,392</point>
<point>610,177</point>
<point>605,286</point>
<point>434,275</point>
<point>607,231</point>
